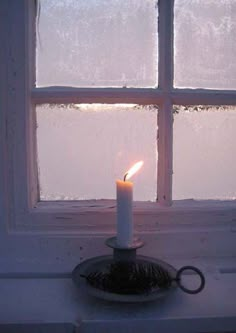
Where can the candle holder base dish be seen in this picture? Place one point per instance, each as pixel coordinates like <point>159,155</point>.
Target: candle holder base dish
<point>126,277</point>
<point>91,275</point>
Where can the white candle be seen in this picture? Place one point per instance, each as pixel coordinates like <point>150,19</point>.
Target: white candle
<point>124,194</point>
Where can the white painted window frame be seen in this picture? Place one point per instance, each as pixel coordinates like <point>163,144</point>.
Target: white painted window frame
<point>26,223</point>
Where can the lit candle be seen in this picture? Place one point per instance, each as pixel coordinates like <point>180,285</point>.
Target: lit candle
<point>124,195</point>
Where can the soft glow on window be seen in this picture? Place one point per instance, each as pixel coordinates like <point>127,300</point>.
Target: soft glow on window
<point>205,44</point>
<point>91,43</point>
<point>204,152</point>
<point>83,149</point>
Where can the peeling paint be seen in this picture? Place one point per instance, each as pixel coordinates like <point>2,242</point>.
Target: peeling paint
<point>63,218</point>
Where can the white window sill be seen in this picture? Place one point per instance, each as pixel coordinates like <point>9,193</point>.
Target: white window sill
<point>56,300</point>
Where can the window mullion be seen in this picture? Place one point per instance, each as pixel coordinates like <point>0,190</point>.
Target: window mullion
<point>165,33</point>
<point>17,104</point>
<point>30,33</point>
<point>165,123</point>
<point>20,133</point>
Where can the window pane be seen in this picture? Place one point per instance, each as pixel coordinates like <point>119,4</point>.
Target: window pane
<point>205,44</point>
<point>97,43</point>
<point>83,149</point>
<point>204,152</point>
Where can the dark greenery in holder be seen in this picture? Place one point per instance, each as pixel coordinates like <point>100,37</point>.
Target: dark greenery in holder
<point>129,278</point>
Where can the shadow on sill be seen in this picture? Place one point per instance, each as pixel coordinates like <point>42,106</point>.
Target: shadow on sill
<point>39,328</point>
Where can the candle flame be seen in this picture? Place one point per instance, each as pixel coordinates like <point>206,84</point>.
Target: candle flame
<point>133,170</point>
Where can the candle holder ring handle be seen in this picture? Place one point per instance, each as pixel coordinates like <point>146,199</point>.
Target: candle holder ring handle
<point>181,286</point>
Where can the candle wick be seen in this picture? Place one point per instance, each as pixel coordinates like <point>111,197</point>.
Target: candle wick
<point>125,176</point>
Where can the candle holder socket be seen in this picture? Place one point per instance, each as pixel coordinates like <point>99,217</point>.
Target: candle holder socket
<point>124,253</point>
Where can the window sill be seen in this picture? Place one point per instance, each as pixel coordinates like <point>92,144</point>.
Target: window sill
<point>56,300</point>
<point>99,216</point>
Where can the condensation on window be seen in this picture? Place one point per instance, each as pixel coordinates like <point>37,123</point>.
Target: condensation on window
<point>205,44</point>
<point>84,148</point>
<point>99,43</point>
<point>204,152</point>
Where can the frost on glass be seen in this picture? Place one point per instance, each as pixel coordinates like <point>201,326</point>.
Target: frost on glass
<point>205,44</point>
<point>204,152</point>
<point>97,43</point>
<point>83,149</point>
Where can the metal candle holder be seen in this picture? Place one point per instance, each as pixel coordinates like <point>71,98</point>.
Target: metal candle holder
<point>124,253</point>
<point>97,275</point>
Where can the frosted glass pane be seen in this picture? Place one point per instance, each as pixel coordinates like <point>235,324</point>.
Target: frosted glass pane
<point>97,43</point>
<point>205,44</point>
<point>204,153</point>
<point>83,149</point>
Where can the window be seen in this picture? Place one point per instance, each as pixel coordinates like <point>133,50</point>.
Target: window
<point>102,34</point>
<point>21,101</point>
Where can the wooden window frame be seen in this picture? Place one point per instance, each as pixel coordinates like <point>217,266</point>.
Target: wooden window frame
<point>21,211</point>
